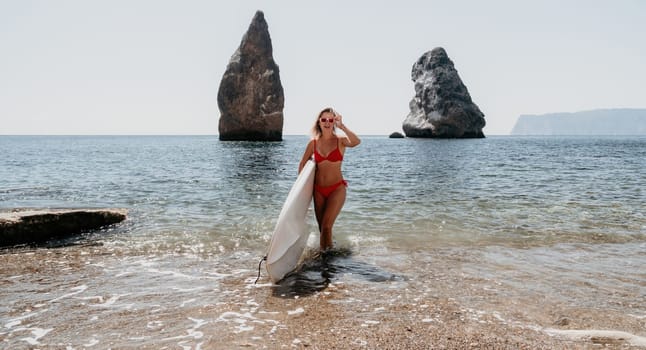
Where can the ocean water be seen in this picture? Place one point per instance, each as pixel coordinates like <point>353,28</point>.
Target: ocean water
<point>555,221</point>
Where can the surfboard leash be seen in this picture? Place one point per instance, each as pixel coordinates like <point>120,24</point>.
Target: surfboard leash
<point>264,258</point>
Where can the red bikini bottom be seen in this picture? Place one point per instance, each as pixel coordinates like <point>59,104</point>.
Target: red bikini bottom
<point>327,190</point>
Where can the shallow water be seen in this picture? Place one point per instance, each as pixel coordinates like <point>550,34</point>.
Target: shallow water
<point>530,229</point>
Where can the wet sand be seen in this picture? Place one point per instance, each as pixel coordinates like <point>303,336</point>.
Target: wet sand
<point>343,317</point>
<point>89,297</point>
<point>374,310</point>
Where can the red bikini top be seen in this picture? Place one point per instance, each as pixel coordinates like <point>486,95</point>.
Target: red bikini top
<point>334,156</point>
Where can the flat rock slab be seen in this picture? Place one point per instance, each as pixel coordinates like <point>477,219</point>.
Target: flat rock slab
<point>35,226</point>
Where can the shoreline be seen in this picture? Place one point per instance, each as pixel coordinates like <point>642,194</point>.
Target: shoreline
<point>213,303</point>
<point>350,315</point>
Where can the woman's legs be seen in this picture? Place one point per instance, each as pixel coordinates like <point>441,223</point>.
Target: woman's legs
<point>327,210</point>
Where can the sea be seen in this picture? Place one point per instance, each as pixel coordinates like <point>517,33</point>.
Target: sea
<point>536,230</point>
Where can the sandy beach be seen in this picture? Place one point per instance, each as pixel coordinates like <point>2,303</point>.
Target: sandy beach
<point>346,318</point>
<point>405,314</point>
<point>346,303</point>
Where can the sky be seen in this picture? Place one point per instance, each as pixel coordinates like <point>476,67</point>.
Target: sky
<point>153,67</point>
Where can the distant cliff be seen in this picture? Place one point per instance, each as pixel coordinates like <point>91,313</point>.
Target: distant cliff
<point>622,121</point>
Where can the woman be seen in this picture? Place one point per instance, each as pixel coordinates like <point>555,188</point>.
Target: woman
<point>329,185</point>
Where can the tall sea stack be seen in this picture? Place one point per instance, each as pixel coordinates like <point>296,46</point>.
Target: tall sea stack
<point>250,97</point>
<point>442,106</point>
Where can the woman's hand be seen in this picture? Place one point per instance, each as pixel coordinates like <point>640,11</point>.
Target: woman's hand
<point>338,121</point>
<point>351,139</point>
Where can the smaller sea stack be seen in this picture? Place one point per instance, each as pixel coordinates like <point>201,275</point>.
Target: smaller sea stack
<point>442,106</point>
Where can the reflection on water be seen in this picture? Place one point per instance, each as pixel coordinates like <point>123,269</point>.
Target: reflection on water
<point>256,162</point>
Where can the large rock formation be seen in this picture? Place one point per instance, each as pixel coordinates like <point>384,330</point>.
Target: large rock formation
<point>250,97</point>
<point>442,106</point>
<point>34,226</point>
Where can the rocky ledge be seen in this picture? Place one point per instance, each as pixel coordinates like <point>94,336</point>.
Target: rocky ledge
<point>35,226</point>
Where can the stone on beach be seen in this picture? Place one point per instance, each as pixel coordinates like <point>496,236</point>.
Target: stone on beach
<point>34,226</point>
<point>251,97</point>
<point>442,106</point>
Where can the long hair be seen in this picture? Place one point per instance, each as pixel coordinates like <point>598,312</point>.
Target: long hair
<point>316,129</point>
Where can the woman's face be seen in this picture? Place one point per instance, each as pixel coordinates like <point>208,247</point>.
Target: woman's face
<point>326,121</point>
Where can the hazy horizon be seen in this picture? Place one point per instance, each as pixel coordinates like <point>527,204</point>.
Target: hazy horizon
<point>154,67</point>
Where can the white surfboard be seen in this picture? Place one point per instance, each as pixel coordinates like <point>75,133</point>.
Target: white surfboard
<point>291,233</point>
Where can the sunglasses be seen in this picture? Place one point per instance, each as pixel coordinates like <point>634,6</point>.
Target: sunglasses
<point>328,120</point>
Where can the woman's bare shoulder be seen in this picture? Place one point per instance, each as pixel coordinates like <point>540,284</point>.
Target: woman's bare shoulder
<point>310,144</point>
<point>343,140</point>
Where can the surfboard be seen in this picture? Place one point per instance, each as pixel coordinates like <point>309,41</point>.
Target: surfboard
<point>291,233</point>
